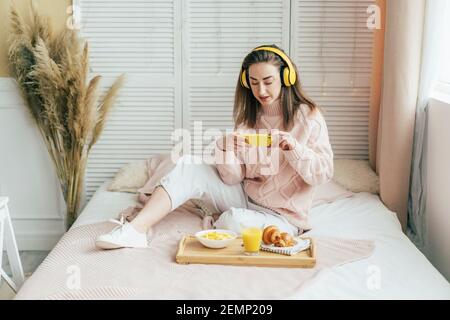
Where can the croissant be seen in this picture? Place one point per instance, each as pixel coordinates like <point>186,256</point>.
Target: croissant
<point>287,238</point>
<point>272,235</point>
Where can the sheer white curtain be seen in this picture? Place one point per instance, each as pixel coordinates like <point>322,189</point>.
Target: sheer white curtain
<point>435,39</point>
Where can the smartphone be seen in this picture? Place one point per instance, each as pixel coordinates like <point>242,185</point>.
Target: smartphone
<point>258,139</point>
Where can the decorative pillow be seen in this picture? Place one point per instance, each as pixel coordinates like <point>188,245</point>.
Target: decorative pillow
<point>142,175</point>
<point>356,175</point>
<point>130,177</point>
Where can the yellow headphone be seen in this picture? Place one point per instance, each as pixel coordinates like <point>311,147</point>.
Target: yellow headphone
<point>287,74</point>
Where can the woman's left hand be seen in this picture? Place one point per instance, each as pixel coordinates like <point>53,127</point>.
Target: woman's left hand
<point>284,139</point>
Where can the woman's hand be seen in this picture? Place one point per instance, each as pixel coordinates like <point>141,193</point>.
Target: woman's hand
<point>231,142</point>
<point>284,140</point>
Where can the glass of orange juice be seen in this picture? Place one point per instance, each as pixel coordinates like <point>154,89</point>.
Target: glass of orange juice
<point>252,237</point>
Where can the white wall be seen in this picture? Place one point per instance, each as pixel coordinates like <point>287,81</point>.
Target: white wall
<point>437,242</point>
<point>27,176</point>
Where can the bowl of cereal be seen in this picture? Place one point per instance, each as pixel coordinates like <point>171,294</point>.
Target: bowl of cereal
<point>216,238</point>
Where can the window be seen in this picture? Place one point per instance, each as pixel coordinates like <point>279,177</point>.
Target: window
<point>442,87</point>
<point>445,73</point>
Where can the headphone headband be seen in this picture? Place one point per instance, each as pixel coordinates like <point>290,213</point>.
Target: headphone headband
<point>288,74</point>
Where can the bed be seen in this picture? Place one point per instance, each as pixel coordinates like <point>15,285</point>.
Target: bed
<point>395,270</point>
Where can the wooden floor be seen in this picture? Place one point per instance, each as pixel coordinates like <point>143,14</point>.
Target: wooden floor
<point>30,261</point>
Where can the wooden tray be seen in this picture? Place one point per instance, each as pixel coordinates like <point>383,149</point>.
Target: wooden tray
<point>190,250</point>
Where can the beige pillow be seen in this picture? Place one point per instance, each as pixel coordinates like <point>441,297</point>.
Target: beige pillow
<point>130,177</point>
<point>356,175</point>
<point>142,175</point>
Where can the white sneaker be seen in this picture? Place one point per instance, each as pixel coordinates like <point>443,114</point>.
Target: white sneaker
<point>123,236</point>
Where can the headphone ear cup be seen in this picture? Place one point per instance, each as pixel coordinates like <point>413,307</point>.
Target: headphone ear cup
<point>286,81</point>
<point>283,76</point>
<point>244,80</point>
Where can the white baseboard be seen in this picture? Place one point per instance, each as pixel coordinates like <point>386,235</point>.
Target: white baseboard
<point>38,233</point>
<point>36,241</point>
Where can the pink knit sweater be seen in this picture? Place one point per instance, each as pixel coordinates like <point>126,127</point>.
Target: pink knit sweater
<point>283,181</point>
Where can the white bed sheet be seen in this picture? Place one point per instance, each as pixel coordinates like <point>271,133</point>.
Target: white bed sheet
<point>396,270</point>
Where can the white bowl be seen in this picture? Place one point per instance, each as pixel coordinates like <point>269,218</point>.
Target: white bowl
<point>215,244</point>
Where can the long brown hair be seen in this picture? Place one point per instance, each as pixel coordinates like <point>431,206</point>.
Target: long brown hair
<point>247,107</point>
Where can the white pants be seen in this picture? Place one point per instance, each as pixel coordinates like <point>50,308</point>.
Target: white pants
<point>191,178</point>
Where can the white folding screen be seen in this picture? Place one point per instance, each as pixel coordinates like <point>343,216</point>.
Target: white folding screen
<point>216,37</point>
<point>182,60</point>
<point>332,47</point>
<point>142,39</point>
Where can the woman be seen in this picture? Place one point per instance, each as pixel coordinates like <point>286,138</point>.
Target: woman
<point>268,99</point>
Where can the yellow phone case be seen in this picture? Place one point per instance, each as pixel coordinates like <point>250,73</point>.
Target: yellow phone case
<point>258,139</point>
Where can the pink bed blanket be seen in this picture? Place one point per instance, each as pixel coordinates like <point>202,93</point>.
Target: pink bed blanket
<point>76,269</point>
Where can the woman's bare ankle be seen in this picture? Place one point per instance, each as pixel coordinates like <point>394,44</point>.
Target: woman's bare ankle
<point>140,228</point>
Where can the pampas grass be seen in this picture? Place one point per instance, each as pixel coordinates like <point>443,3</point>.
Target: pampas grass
<point>51,70</point>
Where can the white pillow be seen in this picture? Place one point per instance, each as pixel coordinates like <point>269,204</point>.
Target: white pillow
<point>356,176</point>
